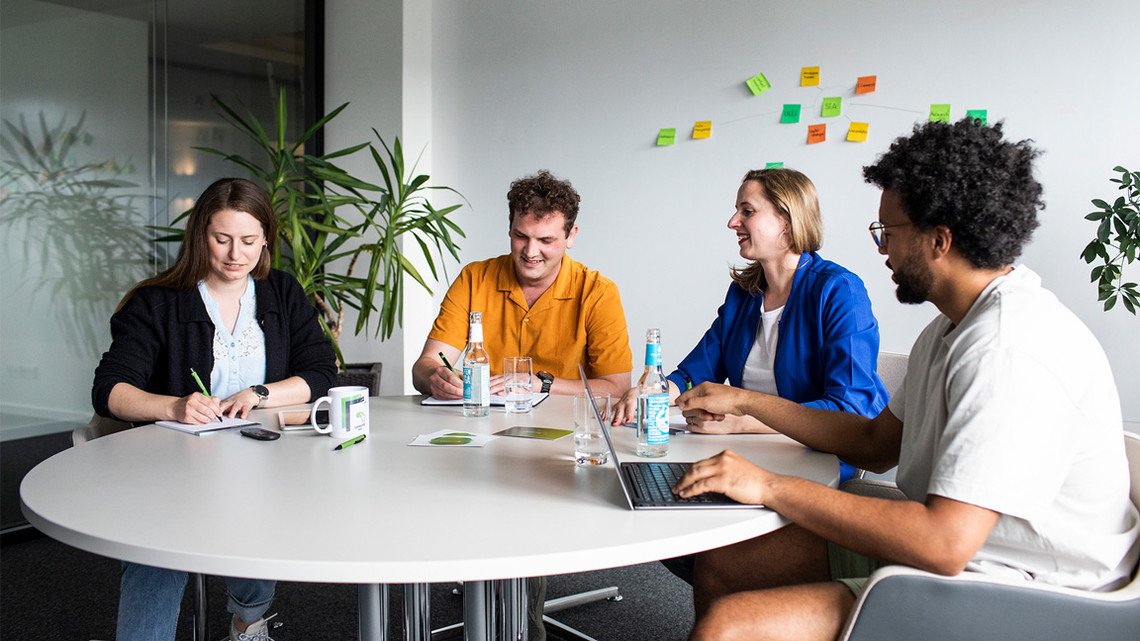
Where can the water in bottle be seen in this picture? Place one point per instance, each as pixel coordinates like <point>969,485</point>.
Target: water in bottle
<point>476,371</point>
<point>652,401</point>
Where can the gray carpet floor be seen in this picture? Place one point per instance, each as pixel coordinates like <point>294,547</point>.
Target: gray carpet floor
<point>50,591</point>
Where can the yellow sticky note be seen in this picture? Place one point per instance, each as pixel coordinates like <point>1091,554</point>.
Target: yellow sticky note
<point>866,84</point>
<point>940,113</point>
<point>857,132</point>
<point>816,134</point>
<point>702,129</point>
<point>665,137</point>
<point>809,77</point>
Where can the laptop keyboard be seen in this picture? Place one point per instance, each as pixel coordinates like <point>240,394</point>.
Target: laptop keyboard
<point>653,484</point>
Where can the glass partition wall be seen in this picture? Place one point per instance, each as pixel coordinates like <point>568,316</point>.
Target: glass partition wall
<point>103,103</point>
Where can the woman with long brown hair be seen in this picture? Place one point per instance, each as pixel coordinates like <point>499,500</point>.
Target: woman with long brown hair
<point>251,335</point>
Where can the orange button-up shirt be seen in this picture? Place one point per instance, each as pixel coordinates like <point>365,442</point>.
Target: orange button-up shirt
<point>579,319</point>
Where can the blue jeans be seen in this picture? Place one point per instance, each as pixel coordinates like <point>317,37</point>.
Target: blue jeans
<point>149,600</point>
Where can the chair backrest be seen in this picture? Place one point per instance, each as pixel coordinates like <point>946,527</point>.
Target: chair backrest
<point>1132,450</point>
<point>98,426</point>
<point>892,368</point>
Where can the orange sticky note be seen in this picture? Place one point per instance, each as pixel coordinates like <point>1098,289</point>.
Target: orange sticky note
<point>865,84</point>
<point>809,77</point>
<point>857,132</point>
<point>817,133</point>
<point>702,129</point>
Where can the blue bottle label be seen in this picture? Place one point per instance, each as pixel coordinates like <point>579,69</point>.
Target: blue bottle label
<point>652,355</point>
<point>657,419</point>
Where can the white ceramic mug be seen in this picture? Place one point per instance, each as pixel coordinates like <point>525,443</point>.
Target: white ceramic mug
<point>348,412</point>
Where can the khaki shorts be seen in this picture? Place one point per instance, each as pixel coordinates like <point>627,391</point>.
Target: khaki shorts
<point>850,568</point>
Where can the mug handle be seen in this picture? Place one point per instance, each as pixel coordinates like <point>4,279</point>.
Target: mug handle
<point>313,415</point>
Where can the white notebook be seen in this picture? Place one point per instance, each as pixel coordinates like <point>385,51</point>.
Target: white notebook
<point>496,400</point>
<point>205,428</point>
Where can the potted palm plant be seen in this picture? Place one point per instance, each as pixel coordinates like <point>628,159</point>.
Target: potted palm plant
<point>338,234</point>
<point>1117,242</point>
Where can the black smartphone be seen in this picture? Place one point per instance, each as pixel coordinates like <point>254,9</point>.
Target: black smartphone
<point>260,433</point>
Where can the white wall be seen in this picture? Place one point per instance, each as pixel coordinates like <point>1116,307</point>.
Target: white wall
<point>581,88</point>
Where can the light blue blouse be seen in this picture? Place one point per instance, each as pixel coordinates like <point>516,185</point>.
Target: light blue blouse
<point>239,357</point>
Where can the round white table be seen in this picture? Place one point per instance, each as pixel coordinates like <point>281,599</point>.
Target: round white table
<point>381,511</point>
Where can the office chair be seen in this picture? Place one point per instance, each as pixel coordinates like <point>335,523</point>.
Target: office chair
<point>904,603</point>
<point>892,369</point>
<point>99,426</point>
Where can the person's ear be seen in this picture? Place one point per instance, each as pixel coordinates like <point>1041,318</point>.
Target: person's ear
<point>943,240</point>
<point>571,236</point>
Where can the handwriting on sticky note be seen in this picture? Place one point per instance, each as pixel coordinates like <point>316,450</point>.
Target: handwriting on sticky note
<point>857,132</point>
<point>809,77</point>
<point>831,106</point>
<point>866,84</point>
<point>758,84</point>
<point>977,114</point>
<point>940,112</point>
<point>773,165</point>
<point>665,137</point>
<point>702,129</point>
<point>790,114</point>
<point>816,134</point>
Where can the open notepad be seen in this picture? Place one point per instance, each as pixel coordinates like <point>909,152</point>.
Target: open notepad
<point>496,399</point>
<point>206,428</point>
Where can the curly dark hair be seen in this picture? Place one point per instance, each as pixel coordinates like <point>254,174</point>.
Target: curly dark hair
<point>541,195</point>
<point>964,176</point>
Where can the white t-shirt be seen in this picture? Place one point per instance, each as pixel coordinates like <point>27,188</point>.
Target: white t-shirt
<point>759,373</point>
<point>1015,410</point>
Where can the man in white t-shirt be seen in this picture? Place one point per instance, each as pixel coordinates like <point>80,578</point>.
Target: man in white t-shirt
<point>1006,431</point>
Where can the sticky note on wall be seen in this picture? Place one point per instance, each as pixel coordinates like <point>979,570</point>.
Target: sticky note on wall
<point>790,114</point>
<point>665,137</point>
<point>866,84</point>
<point>831,106</point>
<point>773,165</point>
<point>816,134</point>
<point>940,112</point>
<point>857,132</point>
<point>977,114</point>
<point>758,84</point>
<point>702,129</point>
<point>809,77</point>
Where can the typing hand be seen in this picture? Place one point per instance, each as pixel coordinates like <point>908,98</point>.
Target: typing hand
<point>727,473</point>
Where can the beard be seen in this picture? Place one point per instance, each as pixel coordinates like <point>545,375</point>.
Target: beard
<point>914,280</point>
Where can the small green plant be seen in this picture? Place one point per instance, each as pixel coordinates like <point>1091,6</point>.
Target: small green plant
<point>1117,243</point>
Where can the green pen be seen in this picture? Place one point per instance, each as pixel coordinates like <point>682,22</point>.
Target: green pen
<point>201,386</point>
<point>447,363</point>
<point>350,442</point>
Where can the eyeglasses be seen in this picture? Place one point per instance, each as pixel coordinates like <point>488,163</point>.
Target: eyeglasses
<point>876,228</point>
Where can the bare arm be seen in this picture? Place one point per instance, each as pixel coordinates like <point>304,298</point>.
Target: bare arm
<point>290,391</point>
<point>431,376</point>
<point>612,384</point>
<point>130,403</point>
<point>940,535</point>
<point>870,443</point>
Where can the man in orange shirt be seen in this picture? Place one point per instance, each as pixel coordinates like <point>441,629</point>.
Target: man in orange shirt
<point>536,301</point>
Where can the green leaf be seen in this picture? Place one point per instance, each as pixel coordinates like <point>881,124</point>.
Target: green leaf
<point>1100,203</point>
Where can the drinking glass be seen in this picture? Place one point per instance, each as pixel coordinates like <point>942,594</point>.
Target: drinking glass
<point>589,442</point>
<point>518,380</point>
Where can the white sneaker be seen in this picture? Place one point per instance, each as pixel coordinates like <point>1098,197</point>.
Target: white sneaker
<point>257,631</point>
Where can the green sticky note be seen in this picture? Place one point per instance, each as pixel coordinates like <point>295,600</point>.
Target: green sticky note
<point>773,165</point>
<point>790,114</point>
<point>940,113</point>
<point>977,114</point>
<point>758,84</point>
<point>831,106</point>
<point>665,137</point>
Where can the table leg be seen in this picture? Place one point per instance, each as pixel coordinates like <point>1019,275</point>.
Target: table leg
<point>512,613</point>
<point>417,612</point>
<point>372,611</point>
<point>478,611</point>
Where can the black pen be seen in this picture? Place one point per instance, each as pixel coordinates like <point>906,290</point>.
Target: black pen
<point>350,442</point>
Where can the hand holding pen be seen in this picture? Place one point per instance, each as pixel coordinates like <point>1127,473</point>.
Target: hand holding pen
<point>446,382</point>
<point>205,392</point>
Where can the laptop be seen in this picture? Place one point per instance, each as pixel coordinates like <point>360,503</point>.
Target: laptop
<point>649,486</point>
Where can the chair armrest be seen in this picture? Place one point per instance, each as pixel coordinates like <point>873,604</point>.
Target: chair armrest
<point>905,604</point>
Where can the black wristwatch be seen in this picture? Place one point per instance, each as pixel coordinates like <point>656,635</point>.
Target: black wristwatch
<point>547,380</point>
<point>262,394</point>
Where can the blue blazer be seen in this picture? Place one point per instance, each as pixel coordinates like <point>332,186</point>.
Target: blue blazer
<point>826,352</point>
